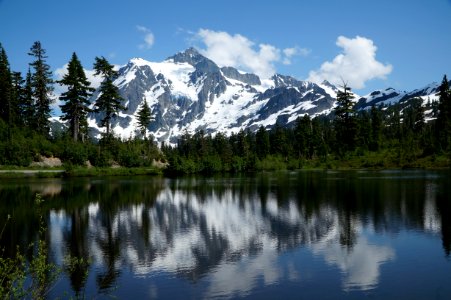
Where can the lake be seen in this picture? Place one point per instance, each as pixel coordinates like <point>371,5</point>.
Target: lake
<point>284,235</point>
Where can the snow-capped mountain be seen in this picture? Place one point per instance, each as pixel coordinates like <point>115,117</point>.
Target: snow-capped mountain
<point>391,96</point>
<point>189,92</point>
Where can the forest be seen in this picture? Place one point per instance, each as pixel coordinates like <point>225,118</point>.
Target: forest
<point>396,136</point>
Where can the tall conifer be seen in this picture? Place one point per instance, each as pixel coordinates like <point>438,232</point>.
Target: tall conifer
<point>6,97</point>
<point>5,87</point>
<point>76,98</point>
<point>345,119</point>
<point>144,118</point>
<point>109,101</point>
<point>444,115</point>
<point>27,106</point>
<point>41,82</point>
<point>17,98</point>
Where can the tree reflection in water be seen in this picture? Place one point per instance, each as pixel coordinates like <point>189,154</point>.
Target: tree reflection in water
<point>211,229</point>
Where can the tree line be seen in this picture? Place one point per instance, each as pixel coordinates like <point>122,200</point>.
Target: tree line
<point>25,111</point>
<point>383,136</point>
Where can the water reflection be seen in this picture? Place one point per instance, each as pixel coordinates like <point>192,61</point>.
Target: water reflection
<point>228,236</point>
<point>360,265</point>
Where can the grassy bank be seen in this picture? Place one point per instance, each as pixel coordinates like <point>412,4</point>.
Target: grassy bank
<point>369,160</point>
<point>372,160</point>
<point>108,171</point>
<point>15,172</point>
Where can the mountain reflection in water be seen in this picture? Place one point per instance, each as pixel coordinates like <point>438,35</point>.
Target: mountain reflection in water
<point>237,236</point>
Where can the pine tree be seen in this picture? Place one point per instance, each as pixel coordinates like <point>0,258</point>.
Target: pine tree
<point>109,101</point>
<point>444,115</point>
<point>418,115</point>
<point>41,82</point>
<point>376,128</point>
<point>363,136</point>
<point>75,108</point>
<point>303,134</point>
<point>27,105</point>
<point>5,88</point>
<point>345,120</point>
<point>262,141</point>
<point>17,98</point>
<point>222,146</point>
<point>321,135</point>
<point>279,141</point>
<point>144,118</point>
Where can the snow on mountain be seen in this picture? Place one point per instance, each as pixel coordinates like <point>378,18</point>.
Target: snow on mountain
<point>188,92</point>
<point>391,96</point>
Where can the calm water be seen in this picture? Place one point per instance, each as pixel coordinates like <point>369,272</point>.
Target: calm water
<point>298,235</point>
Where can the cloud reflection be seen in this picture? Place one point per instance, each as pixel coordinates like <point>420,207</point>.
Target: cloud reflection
<point>360,265</point>
<point>230,242</point>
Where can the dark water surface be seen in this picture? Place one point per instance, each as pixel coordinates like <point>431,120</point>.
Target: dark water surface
<point>289,235</point>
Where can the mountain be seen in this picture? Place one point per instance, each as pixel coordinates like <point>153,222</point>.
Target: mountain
<point>189,92</point>
<point>391,96</point>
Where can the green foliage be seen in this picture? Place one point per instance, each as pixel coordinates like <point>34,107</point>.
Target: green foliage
<point>345,121</point>
<point>262,141</point>
<point>6,89</point>
<point>76,98</point>
<point>385,137</point>
<point>75,153</point>
<point>109,103</point>
<point>443,128</point>
<point>271,163</point>
<point>396,136</point>
<point>42,88</point>
<point>376,128</point>
<point>144,118</point>
<point>33,279</point>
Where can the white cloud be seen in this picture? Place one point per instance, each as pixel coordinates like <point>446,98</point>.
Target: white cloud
<point>290,52</point>
<point>355,65</point>
<point>149,38</point>
<point>240,52</point>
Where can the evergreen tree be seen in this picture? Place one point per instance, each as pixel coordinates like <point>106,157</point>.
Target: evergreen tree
<point>345,120</point>
<point>262,142</point>
<point>109,101</point>
<point>41,82</point>
<point>222,146</point>
<point>75,108</point>
<point>363,138</point>
<point>444,115</point>
<point>240,144</point>
<point>376,128</point>
<point>5,88</point>
<point>303,135</point>
<point>27,104</point>
<point>17,98</point>
<point>279,141</point>
<point>419,122</point>
<point>321,135</point>
<point>144,118</point>
<point>393,130</point>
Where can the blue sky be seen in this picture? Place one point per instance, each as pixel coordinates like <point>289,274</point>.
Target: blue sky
<point>404,44</point>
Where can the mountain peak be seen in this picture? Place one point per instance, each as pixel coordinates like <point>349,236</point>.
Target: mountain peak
<point>190,55</point>
<point>191,51</point>
<point>328,84</point>
<point>138,61</point>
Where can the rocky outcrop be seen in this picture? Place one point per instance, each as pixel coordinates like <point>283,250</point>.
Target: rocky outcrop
<point>47,162</point>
